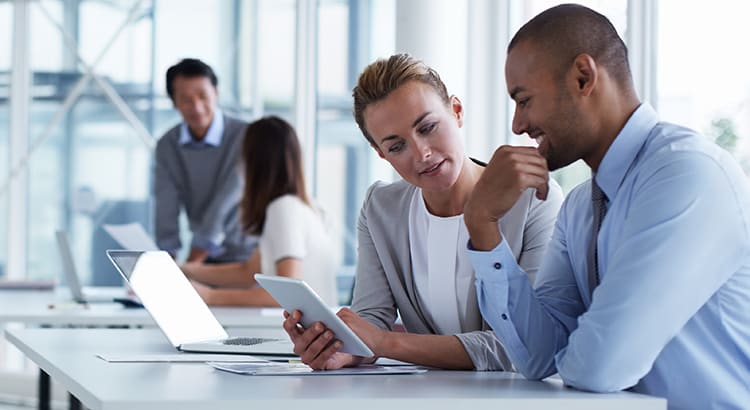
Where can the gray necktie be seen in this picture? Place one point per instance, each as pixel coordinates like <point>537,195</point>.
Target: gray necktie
<point>599,208</point>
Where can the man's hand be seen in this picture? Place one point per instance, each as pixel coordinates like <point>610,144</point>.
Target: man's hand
<point>510,172</point>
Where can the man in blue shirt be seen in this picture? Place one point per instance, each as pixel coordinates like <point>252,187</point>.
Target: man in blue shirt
<point>196,170</point>
<point>648,288</point>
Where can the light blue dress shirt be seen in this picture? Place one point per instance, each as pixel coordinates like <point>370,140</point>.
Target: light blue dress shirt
<point>213,139</point>
<point>213,135</point>
<point>671,317</point>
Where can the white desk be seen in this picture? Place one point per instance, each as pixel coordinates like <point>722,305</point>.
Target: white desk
<point>33,307</point>
<point>68,355</point>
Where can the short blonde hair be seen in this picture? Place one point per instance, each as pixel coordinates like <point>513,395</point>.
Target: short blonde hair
<point>382,77</point>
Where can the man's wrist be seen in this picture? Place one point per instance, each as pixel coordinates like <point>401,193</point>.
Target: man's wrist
<point>484,234</point>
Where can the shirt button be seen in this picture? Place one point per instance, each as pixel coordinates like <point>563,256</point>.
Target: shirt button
<point>504,316</point>
<point>498,265</point>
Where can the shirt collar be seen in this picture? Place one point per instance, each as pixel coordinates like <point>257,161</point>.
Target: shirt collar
<point>213,135</point>
<point>624,149</point>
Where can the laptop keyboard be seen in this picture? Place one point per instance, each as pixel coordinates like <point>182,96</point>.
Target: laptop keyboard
<point>247,341</point>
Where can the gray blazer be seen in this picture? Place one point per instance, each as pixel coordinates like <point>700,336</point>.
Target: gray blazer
<point>384,281</point>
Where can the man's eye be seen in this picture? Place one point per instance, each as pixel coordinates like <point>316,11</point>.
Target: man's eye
<point>523,102</point>
<point>396,147</point>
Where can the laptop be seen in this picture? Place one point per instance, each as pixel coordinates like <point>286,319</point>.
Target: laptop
<point>70,273</point>
<point>178,309</point>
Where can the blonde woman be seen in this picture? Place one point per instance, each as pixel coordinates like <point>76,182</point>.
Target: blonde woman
<point>412,258</point>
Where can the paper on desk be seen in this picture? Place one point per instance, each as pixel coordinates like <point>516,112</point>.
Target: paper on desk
<point>299,369</point>
<point>131,237</point>
<point>384,361</point>
<point>179,357</point>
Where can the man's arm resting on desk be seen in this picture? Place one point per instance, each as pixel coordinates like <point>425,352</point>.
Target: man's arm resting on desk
<point>531,330</point>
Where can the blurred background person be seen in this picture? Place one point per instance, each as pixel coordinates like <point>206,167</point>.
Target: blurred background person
<point>293,238</point>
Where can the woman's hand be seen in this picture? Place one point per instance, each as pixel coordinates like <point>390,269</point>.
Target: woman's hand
<point>315,345</point>
<point>374,337</point>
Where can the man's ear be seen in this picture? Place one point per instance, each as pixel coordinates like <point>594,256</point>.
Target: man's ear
<point>458,110</point>
<point>586,73</point>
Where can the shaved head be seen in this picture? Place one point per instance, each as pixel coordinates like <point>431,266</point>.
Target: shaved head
<point>565,31</point>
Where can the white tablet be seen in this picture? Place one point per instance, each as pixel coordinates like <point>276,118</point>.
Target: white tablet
<point>295,294</point>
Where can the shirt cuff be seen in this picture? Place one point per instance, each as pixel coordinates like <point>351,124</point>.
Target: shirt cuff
<point>494,265</point>
<point>494,271</point>
<point>212,248</point>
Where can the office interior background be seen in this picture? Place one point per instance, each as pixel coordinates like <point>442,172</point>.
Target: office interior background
<point>82,95</point>
<point>83,101</point>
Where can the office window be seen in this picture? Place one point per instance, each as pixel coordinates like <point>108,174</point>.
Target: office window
<point>616,11</point>
<point>276,56</point>
<point>6,37</point>
<point>351,34</point>
<point>702,72</point>
<point>93,157</point>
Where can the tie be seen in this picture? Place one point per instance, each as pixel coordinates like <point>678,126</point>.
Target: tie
<point>598,206</point>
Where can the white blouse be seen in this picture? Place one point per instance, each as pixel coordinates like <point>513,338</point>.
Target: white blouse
<point>443,274</point>
<point>295,230</point>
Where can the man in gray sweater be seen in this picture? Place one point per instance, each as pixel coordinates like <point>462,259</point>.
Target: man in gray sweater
<point>196,170</point>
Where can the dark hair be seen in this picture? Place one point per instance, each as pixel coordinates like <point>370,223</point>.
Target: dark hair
<point>272,161</point>
<point>189,67</point>
<point>384,76</point>
<point>567,30</point>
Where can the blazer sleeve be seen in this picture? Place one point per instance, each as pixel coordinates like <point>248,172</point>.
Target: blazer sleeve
<point>373,299</point>
<point>485,350</point>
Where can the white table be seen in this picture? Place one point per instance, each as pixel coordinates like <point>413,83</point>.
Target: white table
<point>68,355</point>
<point>54,309</point>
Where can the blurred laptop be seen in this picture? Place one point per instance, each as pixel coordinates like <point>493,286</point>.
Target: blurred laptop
<point>178,309</point>
<point>74,283</point>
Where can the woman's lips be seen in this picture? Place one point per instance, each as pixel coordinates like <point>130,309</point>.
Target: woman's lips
<point>434,169</point>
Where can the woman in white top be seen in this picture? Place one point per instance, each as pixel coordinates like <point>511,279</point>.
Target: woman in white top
<point>412,259</point>
<point>293,240</point>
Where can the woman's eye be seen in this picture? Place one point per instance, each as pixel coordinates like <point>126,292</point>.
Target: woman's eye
<point>428,128</point>
<point>396,147</point>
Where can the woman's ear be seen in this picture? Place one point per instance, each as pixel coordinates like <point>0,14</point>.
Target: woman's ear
<point>458,110</point>
<point>380,153</point>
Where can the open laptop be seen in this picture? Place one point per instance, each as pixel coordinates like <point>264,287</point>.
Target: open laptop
<point>74,283</point>
<point>178,309</point>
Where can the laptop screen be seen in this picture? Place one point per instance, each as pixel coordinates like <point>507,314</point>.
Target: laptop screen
<point>168,296</point>
<point>69,267</point>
